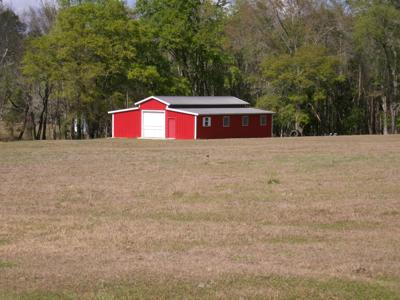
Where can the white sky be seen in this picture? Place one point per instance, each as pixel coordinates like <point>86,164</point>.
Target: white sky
<point>20,5</point>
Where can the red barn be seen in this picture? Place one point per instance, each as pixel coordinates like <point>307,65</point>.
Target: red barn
<point>181,117</point>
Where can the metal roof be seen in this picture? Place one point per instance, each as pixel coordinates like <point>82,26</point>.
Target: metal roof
<point>224,111</point>
<point>197,100</point>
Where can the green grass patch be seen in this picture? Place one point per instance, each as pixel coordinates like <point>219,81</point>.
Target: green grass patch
<point>294,239</point>
<point>38,295</point>
<point>6,264</point>
<point>230,215</point>
<point>228,287</point>
<point>4,242</point>
<point>243,259</point>
<point>319,161</point>
<point>346,225</point>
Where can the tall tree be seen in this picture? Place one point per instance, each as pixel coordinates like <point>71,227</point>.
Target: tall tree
<point>304,82</point>
<point>12,106</point>
<point>190,32</point>
<point>377,34</point>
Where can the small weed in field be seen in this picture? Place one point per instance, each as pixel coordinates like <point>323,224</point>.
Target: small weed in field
<point>178,194</point>
<point>391,213</point>
<point>6,264</point>
<point>273,179</point>
<point>4,242</point>
<point>243,258</point>
<point>71,196</point>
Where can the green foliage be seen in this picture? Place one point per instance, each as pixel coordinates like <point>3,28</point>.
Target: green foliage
<point>352,121</point>
<point>6,264</point>
<point>300,82</point>
<point>377,35</point>
<point>377,22</point>
<point>11,49</point>
<point>190,32</point>
<point>40,60</point>
<point>304,76</point>
<point>11,32</point>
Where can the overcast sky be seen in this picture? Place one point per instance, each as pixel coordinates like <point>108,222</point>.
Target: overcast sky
<point>21,5</point>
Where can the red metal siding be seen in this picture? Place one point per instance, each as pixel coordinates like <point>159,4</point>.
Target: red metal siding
<point>127,124</point>
<point>235,130</point>
<point>184,125</point>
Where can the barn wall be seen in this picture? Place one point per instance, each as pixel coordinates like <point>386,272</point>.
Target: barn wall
<point>127,124</point>
<point>184,125</point>
<point>236,130</point>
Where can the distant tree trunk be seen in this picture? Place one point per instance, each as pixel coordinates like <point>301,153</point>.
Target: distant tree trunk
<point>79,127</point>
<point>41,133</point>
<point>59,127</point>
<point>45,119</point>
<point>297,126</point>
<point>394,104</point>
<point>33,125</point>
<point>371,115</point>
<point>392,118</point>
<point>26,114</point>
<point>385,114</point>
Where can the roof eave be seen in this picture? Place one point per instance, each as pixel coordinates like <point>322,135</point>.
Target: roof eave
<point>237,113</point>
<point>122,110</point>
<point>182,111</point>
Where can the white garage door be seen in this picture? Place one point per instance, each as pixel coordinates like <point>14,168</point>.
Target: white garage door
<point>153,124</point>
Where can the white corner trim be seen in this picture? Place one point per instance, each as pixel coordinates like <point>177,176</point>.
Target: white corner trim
<point>182,111</point>
<point>195,127</point>
<point>151,97</point>
<point>112,125</point>
<point>123,110</point>
<point>272,125</point>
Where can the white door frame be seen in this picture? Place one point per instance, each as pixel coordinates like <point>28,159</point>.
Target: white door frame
<point>156,111</point>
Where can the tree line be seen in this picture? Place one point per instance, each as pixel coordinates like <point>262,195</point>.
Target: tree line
<point>324,66</point>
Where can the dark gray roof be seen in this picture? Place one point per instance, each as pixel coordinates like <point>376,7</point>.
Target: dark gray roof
<point>225,111</point>
<point>203,100</point>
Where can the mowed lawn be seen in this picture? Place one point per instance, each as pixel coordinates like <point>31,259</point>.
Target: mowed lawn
<point>315,217</point>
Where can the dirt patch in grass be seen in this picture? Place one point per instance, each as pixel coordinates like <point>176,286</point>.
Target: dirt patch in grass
<point>276,218</point>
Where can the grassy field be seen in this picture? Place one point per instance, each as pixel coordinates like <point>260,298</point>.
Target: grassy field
<point>257,218</point>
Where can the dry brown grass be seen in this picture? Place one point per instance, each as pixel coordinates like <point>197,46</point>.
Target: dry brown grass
<point>276,218</point>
